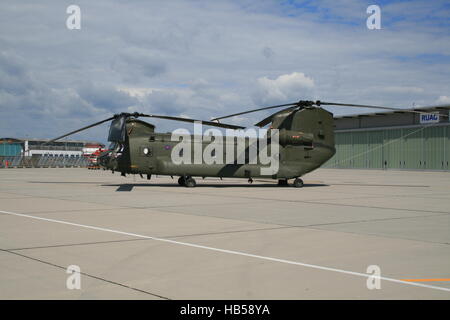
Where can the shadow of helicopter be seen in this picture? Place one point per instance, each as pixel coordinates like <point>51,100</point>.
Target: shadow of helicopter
<point>129,186</point>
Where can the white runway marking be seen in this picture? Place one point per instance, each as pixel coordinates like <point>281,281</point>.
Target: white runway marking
<point>307,265</point>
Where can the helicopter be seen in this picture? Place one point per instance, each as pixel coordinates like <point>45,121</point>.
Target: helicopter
<point>304,132</point>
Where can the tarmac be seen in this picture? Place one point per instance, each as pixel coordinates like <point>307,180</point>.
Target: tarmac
<point>152,239</point>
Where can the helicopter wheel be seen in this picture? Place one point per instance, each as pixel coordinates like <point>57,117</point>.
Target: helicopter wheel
<point>282,182</point>
<point>182,181</point>
<point>190,183</point>
<point>298,183</point>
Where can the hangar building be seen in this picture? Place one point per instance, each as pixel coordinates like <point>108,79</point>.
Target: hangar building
<point>393,140</point>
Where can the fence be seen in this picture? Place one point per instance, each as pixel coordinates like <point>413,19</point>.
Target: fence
<point>43,161</point>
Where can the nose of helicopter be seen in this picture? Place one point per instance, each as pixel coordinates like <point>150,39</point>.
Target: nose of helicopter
<point>104,160</point>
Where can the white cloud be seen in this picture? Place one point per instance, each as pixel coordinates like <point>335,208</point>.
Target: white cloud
<point>443,100</point>
<point>285,88</point>
<point>136,91</point>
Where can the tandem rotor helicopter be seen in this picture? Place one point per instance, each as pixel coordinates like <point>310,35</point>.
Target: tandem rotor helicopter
<point>305,134</point>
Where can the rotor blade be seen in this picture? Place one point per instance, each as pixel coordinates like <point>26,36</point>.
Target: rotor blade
<point>209,123</point>
<point>254,110</point>
<point>268,120</point>
<point>265,121</point>
<point>81,129</point>
<point>367,106</point>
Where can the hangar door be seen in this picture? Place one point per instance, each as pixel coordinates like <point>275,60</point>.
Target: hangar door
<point>412,148</point>
<point>359,150</point>
<point>434,148</point>
<point>419,148</point>
<point>393,149</point>
<point>375,149</point>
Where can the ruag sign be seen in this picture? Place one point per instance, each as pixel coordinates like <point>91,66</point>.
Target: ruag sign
<point>429,117</point>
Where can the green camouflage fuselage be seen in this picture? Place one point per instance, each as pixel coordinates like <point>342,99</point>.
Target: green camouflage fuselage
<point>306,141</point>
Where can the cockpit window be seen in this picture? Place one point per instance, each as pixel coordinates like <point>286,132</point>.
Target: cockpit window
<point>117,129</point>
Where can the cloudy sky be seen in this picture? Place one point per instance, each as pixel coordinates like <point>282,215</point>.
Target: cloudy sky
<point>209,58</point>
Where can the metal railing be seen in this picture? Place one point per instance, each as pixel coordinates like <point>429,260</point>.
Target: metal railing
<point>43,161</point>
<point>62,148</point>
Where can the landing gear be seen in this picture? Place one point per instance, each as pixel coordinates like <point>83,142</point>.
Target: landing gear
<point>282,182</point>
<point>298,183</point>
<point>190,183</point>
<point>250,180</point>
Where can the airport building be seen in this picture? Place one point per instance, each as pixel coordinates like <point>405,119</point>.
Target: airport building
<point>29,147</point>
<point>393,140</point>
<point>40,153</point>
